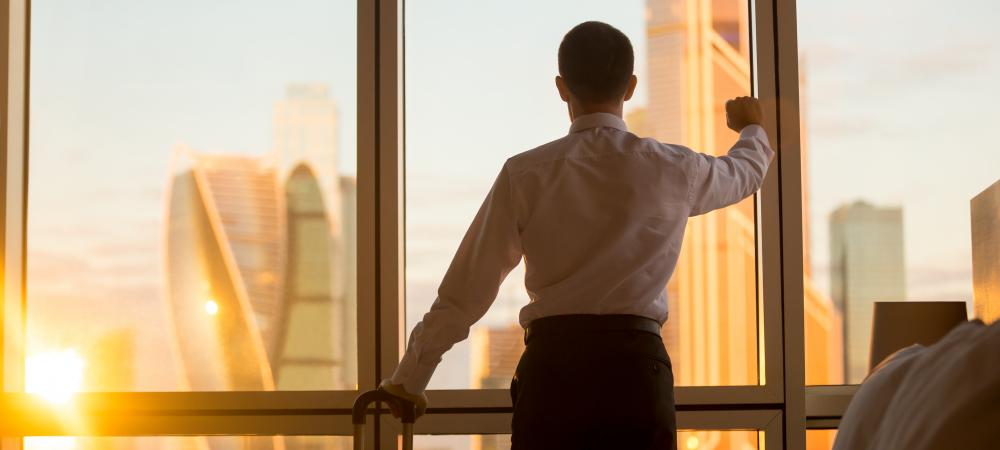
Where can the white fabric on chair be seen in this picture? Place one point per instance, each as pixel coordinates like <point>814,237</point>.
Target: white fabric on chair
<point>945,396</point>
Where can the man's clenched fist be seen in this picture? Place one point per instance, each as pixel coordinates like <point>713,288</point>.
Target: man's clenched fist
<point>742,111</point>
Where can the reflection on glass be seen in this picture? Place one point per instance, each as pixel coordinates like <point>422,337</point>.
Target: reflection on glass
<point>187,443</point>
<point>820,439</point>
<point>720,440</point>
<point>888,202</point>
<point>192,218</point>
<point>686,440</point>
<point>686,72</point>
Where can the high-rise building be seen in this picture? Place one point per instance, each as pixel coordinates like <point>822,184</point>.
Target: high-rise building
<point>305,132</point>
<point>224,250</point>
<point>711,335</point>
<point>867,265</point>
<point>986,253</point>
<point>261,265</point>
<point>495,354</point>
<point>693,69</point>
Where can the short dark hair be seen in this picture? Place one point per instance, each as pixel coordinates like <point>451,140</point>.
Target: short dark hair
<point>596,61</point>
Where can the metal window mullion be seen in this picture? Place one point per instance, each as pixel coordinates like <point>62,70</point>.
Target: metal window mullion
<point>15,53</point>
<point>790,172</point>
<point>391,205</point>
<point>5,30</point>
<point>770,323</point>
<point>179,413</point>
<point>367,97</point>
<point>390,184</point>
<point>179,425</point>
<point>686,397</point>
<point>826,405</point>
<point>767,420</point>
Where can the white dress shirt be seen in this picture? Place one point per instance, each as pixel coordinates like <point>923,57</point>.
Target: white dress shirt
<point>598,215</point>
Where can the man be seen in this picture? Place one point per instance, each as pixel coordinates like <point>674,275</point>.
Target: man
<point>599,216</point>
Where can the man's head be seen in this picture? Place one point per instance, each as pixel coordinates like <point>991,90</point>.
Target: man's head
<point>595,69</point>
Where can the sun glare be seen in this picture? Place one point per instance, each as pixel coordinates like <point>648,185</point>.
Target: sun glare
<point>50,443</point>
<point>211,307</point>
<point>55,376</point>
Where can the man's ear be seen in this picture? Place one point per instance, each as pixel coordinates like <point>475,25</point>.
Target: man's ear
<point>632,82</point>
<point>563,89</point>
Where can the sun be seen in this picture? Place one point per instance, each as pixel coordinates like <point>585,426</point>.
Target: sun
<point>55,376</point>
<point>211,307</point>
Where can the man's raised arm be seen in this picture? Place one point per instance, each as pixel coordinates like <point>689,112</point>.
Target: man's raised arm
<point>717,182</point>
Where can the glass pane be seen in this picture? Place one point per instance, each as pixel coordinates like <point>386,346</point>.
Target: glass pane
<point>192,196</point>
<point>190,443</point>
<point>686,440</point>
<point>889,198</point>
<point>820,439</point>
<point>500,100</point>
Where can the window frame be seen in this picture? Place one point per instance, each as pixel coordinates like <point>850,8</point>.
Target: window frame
<point>782,406</point>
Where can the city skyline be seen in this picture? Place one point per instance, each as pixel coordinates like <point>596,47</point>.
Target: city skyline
<point>109,102</point>
<point>866,247</point>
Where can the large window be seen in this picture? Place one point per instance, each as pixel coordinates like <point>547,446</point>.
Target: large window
<point>192,196</point>
<point>235,211</point>
<point>474,102</point>
<point>898,142</point>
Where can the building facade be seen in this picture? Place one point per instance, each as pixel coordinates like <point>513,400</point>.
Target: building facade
<point>867,265</point>
<point>260,256</point>
<point>986,253</point>
<point>495,354</point>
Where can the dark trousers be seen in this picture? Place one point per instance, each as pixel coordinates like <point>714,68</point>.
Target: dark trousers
<point>585,387</point>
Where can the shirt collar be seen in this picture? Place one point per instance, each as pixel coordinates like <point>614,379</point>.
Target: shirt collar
<point>595,120</point>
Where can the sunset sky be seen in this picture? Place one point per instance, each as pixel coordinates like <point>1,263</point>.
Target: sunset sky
<point>900,103</point>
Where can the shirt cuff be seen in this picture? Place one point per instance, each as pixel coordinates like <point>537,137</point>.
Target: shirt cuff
<point>755,131</point>
<point>413,375</point>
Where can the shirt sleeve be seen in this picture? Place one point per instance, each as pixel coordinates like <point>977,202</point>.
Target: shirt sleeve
<point>490,249</point>
<point>717,182</point>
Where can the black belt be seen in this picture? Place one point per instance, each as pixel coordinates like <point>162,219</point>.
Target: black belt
<point>590,323</point>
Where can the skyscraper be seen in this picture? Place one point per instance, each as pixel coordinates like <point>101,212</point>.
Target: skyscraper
<point>495,354</point>
<point>305,132</point>
<point>986,253</point>
<point>260,265</point>
<point>223,253</point>
<point>698,56</point>
<point>694,67</point>
<point>867,265</point>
